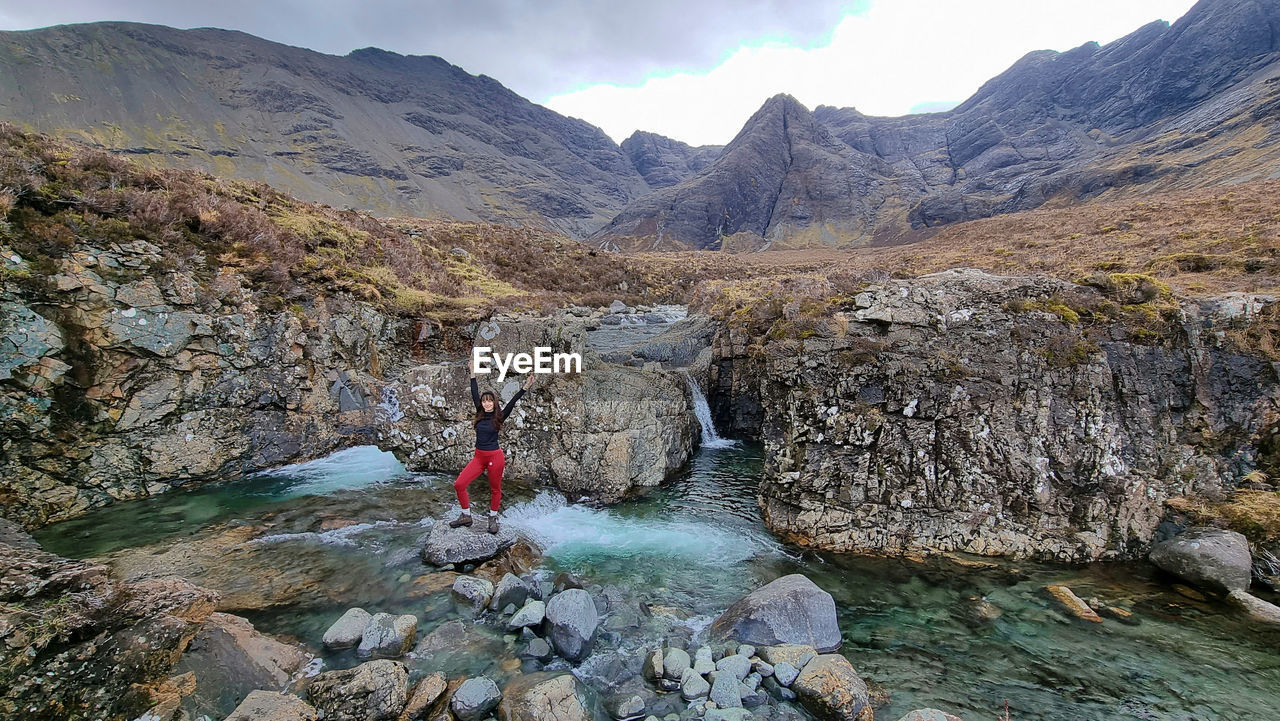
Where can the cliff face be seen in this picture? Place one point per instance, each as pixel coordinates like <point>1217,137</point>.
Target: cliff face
<point>125,378</point>
<point>412,136</point>
<point>976,413</point>
<point>1191,104</point>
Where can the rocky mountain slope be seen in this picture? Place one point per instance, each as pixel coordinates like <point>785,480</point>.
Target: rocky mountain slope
<point>1192,104</point>
<point>411,136</point>
<point>663,161</point>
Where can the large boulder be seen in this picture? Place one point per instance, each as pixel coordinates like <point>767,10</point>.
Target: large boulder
<point>1213,558</point>
<point>373,691</point>
<point>348,630</point>
<point>273,706</point>
<point>388,636</point>
<point>571,623</point>
<point>831,690</point>
<point>543,697</point>
<point>472,591</point>
<point>446,545</point>
<point>475,698</point>
<point>230,659</point>
<point>791,609</point>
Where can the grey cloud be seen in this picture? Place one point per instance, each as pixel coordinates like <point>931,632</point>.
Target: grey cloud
<point>536,48</point>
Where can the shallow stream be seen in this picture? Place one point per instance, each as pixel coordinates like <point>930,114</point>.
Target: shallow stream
<point>293,549</point>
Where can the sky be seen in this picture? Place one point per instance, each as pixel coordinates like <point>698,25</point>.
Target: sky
<point>688,69</point>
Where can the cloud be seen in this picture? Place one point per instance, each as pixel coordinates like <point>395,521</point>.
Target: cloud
<point>536,48</point>
<point>887,60</point>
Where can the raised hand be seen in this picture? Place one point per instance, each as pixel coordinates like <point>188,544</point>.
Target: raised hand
<point>528,382</point>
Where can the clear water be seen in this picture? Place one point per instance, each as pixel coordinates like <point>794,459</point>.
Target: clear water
<point>342,532</point>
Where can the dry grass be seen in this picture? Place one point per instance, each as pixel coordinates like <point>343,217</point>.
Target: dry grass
<point>1253,513</point>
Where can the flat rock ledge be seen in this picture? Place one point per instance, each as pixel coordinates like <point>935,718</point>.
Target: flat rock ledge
<point>472,544</point>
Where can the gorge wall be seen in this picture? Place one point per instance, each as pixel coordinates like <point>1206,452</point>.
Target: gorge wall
<point>969,412</point>
<point>123,377</point>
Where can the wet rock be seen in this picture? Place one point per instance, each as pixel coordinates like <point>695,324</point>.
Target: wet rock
<point>117,636</point>
<point>387,636</point>
<point>653,668</point>
<point>531,614</point>
<point>1257,608</point>
<point>1188,592</point>
<point>1123,615</point>
<point>1212,558</point>
<point>372,691</point>
<point>565,581</point>
<point>780,692</point>
<point>229,658</point>
<point>273,706</point>
<point>794,654</point>
<point>464,545</point>
<point>1072,603</point>
<point>571,623</point>
<point>425,693</point>
<point>472,592</point>
<point>674,662</point>
<point>702,662</point>
<point>545,696</point>
<point>726,691</point>
<point>929,714</point>
<point>693,685</point>
<point>791,609</point>
<point>475,698</point>
<point>538,648</point>
<point>737,665</point>
<point>830,689</point>
<point>761,667</point>
<point>752,697</point>
<point>511,590</point>
<point>625,707</point>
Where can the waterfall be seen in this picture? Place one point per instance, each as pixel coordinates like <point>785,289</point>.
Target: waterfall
<point>710,439</point>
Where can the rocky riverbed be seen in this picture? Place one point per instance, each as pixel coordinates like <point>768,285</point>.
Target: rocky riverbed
<point>294,552</point>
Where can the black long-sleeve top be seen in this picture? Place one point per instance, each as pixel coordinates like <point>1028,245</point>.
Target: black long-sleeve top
<point>486,433</point>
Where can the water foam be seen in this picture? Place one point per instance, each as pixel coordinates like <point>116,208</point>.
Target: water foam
<point>356,467</point>
<point>565,530</point>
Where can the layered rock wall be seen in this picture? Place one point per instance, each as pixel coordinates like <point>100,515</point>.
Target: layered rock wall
<point>968,412</point>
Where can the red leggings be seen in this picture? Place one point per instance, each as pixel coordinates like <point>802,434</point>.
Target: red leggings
<point>494,462</point>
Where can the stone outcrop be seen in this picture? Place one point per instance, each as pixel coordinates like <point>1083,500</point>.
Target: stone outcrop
<point>969,412</point>
<point>466,544</point>
<point>788,610</point>
<point>127,377</point>
<point>76,642</point>
<point>543,696</point>
<point>373,691</point>
<point>599,433</point>
<point>1213,558</point>
<point>229,658</point>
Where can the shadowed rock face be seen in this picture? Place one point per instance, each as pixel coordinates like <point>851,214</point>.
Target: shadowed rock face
<point>1190,104</point>
<point>663,161</point>
<point>402,135</point>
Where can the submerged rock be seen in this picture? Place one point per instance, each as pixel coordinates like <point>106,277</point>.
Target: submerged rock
<point>464,545</point>
<point>372,691</point>
<point>273,706</point>
<point>347,630</point>
<point>831,690</point>
<point>791,609</point>
<point>229,659</point>
<point>572,622</point>
<point>929,714</point>
<point>475,698</point>
<point>1257,608</point>
<point>1072,603</point>
<point>1213,558</point>
<point>543,696</point>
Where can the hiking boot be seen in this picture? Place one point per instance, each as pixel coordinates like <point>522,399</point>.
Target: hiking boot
<point>463,519</point>
<point>493,524</point>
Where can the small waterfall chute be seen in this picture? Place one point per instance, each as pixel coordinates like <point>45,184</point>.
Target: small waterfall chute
<point>710,439</point>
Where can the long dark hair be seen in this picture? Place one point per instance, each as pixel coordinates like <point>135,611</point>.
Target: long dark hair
<point>497,411</point>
